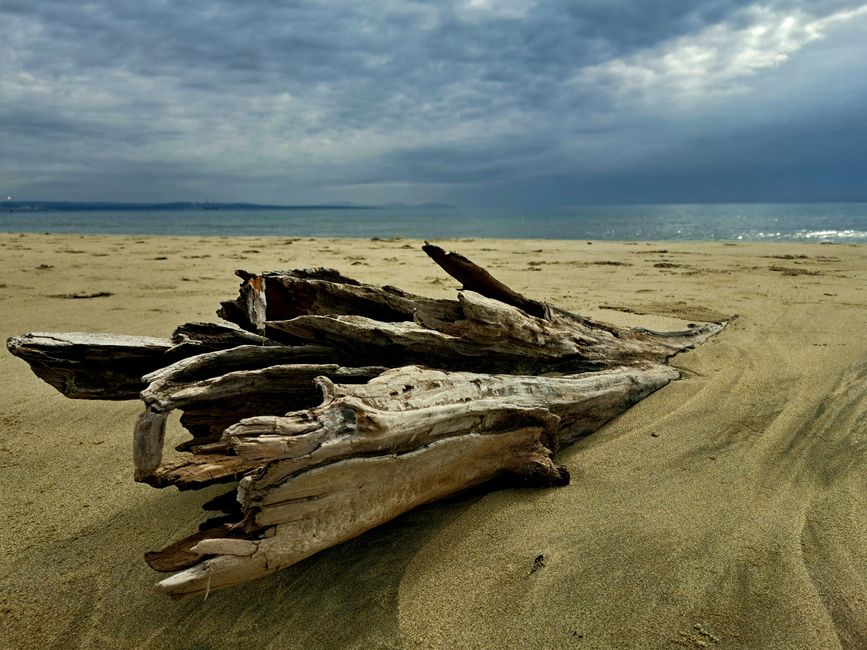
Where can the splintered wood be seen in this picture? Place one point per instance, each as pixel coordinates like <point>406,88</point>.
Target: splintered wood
<point>330,406</point>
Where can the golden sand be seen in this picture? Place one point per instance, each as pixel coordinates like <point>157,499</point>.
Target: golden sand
<point>726,510</point>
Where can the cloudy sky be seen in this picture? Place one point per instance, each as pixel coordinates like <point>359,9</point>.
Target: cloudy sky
<point>473,102</point>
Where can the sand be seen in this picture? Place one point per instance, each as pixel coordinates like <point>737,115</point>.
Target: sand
<point>726,510</point>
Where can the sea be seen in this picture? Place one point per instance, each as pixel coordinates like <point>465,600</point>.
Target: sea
<point>809,222</point>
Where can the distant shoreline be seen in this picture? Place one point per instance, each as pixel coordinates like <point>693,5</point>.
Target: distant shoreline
<point>711,222</point>
<point>74,206</point>
<point>94,206</point>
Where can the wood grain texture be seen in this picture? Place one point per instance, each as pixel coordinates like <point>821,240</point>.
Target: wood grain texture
<point>333,406</point>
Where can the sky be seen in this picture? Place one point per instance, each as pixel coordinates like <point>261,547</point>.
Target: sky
<point>470,102</point>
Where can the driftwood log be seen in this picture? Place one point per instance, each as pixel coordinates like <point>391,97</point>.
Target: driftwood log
<point>332,406</point>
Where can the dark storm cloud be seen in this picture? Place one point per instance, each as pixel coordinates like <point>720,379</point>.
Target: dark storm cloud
<point>399,100</point>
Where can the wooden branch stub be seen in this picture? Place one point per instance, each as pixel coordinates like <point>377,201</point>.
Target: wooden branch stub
<point>474,278</point>
<point>147,443</point>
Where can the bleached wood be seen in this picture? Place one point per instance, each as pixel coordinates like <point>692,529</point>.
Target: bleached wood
<point>337,406</point>
<point>243,357</point>
<point>218,401</point>
<point>216,336</point>
<point>91,366</point>
<point>405,405</point>
<point>288,294</point>
<point>340,501</point>
<point>110,366</point>
<point>147,443</point>
<point>282,380</point>
<point>226,546</point>
<point>412,435</point>
<point>475,278</point>
<point>192,471</point>
<point>492,337</point>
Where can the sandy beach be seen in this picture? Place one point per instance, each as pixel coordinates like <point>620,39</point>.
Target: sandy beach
<point>726,510</point>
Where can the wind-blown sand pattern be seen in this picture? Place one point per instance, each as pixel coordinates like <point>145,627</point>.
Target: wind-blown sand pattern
<point>726,510</point>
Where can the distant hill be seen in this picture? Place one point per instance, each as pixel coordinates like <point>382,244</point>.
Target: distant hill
<point>71,206</point>
<point>416,206</point>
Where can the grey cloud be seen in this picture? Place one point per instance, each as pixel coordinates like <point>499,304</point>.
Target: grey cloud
<point>284,101</point>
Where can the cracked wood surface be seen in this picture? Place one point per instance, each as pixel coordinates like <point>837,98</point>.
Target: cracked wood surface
<point>334,406</point>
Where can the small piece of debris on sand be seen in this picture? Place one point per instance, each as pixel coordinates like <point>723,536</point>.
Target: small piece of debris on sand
<point>82,295</point>
<point>538,563</point>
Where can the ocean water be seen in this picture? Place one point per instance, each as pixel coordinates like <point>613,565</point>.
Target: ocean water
<point>835,222</point>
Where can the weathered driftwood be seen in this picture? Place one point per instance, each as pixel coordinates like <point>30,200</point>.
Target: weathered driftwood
<point>492,337</point>
<point>111,366</point>
<point>225,399</point>
<point>284,295</point>
<point>373,451</point>
<point>337,406</point>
